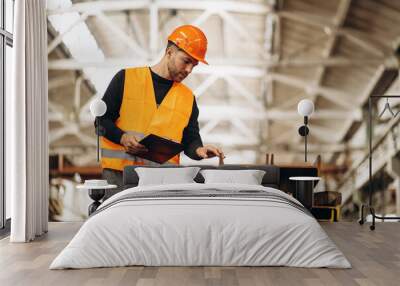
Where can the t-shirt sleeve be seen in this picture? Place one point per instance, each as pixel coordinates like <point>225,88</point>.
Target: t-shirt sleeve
<point>191,139</point>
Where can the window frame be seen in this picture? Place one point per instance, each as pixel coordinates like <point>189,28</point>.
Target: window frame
<point>6,39</point>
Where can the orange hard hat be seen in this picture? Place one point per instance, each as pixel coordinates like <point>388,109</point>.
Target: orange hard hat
<point>192,40</point>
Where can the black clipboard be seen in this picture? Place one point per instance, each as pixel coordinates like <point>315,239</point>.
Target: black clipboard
<point>160,150</point>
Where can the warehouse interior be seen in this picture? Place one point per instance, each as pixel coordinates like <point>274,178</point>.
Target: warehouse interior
<point>265,56</point>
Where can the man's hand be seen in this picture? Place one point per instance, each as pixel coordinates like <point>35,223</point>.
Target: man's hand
<point>131,144</point>
<point>209,151</point>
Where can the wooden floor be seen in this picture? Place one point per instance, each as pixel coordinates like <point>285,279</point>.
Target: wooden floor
<point>375,257</point>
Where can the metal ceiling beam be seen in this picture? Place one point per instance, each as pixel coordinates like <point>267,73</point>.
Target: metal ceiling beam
<point>357,37</point>
<point>258,67</point>
<point>70,126</point>
<point>122,35</point>
<point>70,64</point>
<point>372,84</point>
<point>225,113</point>
<point>202,17</point>
<point>200,89</point>
<point>291,102</point>
<point>361,41</point>
<point>338,21</point>
<point>339,97</point>
<point>339,61</point>
<point>55,107</point>
<point>316,148</point>
<point>244,129</point>
<point>153,32</point>
<point>323,134</point>
<point>244,92</point>
<point>229,139</point>
<point>230,70</point>
<point>60,81</point>
<point>229,6</point>
<point>284,137</point>
<point>138,31</point>
<point>320,114</point>
<point>241,30</point>
<point>272,46</point>
<point>364,97</point>
<point>209,126</point>
<point>77,97</point>
<point>57,40</point>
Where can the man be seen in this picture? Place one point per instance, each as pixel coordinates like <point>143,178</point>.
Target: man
<point>152,100</point>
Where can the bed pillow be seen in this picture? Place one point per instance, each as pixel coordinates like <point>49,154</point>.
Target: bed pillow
<point>248,177</point>
<point>165,176</point>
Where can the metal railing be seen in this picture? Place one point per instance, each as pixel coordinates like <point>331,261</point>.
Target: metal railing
<point>383,149</point>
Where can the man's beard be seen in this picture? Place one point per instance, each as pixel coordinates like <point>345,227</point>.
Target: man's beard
<point>174,74</point>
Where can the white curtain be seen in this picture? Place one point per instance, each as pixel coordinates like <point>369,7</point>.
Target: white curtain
<point>27,125</point>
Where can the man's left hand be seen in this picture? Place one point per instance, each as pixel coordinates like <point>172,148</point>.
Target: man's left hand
<point>209,151</point>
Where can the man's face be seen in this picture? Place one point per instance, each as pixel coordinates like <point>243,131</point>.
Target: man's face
<point>180,64</point>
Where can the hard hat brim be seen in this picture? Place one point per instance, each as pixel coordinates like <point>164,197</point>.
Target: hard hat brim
<point>196,58</point>
<point>204,62</point>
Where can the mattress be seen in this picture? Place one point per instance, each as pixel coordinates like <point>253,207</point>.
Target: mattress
<point>201,225</point>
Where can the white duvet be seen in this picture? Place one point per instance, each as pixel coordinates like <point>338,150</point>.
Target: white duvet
<point>183,231</point>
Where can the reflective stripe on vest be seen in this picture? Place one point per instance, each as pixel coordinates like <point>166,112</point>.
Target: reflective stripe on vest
<point>140,116</point>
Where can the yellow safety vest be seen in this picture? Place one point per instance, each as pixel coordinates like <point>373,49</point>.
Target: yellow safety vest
<point>140,116</point>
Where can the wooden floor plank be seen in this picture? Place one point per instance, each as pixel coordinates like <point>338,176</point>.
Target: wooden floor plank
<point>375,257</point>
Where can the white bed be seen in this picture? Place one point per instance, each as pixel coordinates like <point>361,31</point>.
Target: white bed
<point>222,225</point>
